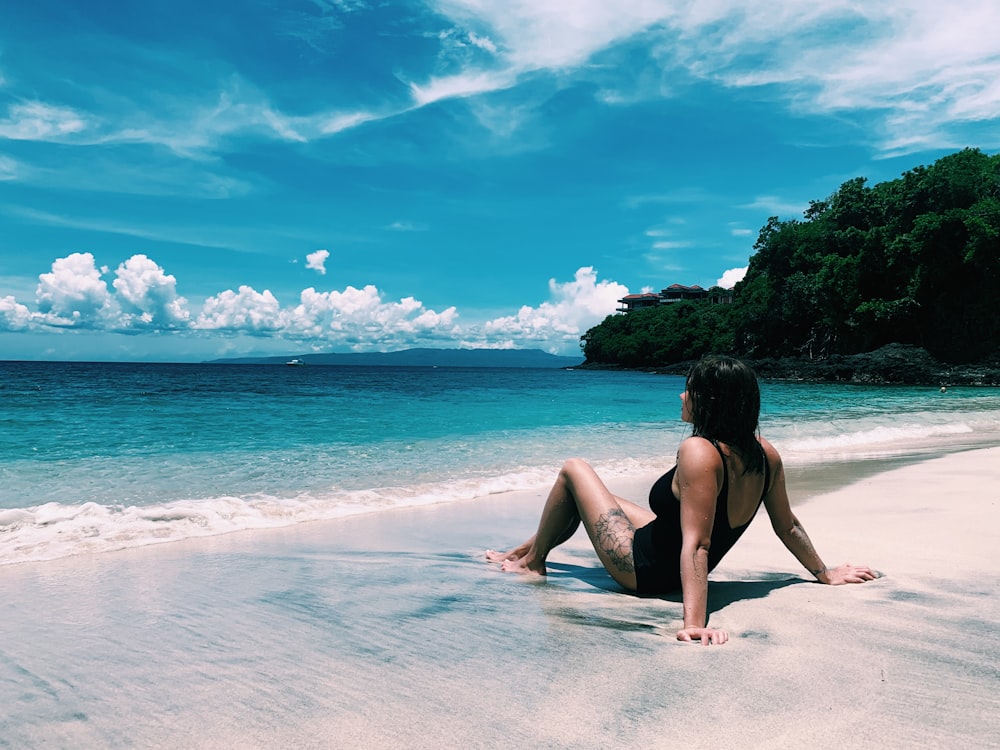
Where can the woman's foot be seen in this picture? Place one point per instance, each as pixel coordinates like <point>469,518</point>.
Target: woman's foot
<point>494,556</point>
<point>525,565</point>
<point>521,550</point>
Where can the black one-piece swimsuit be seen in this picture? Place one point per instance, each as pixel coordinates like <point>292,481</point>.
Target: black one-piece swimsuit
<point>656,547</point>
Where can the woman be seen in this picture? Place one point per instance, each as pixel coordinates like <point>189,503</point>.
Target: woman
<point>698,509</point>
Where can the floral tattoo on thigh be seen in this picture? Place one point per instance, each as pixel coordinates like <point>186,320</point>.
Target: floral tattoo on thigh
<point>614,537</point>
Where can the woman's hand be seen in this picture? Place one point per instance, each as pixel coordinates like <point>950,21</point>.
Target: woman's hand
<point>847,573</point>
<point>707,636</point>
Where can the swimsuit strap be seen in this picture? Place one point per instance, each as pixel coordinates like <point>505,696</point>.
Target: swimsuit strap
<point>725,471</point>
<point>767,475</point>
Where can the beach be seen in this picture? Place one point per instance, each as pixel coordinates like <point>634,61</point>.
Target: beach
<point>388,630</point>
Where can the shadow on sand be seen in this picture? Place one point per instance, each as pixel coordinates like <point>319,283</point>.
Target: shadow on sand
<point>720,593</point>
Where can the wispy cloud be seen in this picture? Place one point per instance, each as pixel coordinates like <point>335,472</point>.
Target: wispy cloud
<point>460,86</point>
<point>9,169</point>
<point>215,237</point>
<point>38,121</point>
<point>406,226</point>
<point>918,69</point>
<point>194,125</point>
<point>681,195</point>
<point>143,174</point>
<point>776,206</point>
<point>554,34</point>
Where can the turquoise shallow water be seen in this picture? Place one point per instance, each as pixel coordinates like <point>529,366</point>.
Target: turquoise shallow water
<point>103,456</point>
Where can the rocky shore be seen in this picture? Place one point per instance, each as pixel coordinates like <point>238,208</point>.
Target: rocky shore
<point>893,364</point>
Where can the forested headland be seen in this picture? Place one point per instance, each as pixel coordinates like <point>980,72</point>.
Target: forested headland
<point>899,281</point>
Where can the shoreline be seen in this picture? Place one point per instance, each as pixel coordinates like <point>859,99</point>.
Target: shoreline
<point>806,479</point>
<point>389,630</point>
<point>894,364</point>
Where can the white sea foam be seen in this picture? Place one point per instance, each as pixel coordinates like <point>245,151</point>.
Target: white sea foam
<point>54,530</point>
<point>130,456</point>
<point>866,443</point>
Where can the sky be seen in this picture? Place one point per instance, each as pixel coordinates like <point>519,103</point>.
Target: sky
<point>182,181</point>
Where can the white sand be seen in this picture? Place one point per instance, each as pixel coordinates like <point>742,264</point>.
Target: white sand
<point>388,631</point>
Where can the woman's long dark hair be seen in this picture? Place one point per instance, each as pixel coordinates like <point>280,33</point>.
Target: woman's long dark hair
<point>724,400</point>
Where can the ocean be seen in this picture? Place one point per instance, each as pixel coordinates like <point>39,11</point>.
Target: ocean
<point>102,456</point>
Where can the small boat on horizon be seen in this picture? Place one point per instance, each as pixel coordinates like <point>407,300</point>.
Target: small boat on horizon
<point>295,362</point>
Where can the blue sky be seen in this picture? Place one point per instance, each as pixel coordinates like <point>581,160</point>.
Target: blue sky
<point>185,180</point>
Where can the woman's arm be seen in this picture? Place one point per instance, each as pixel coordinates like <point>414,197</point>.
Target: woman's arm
<point>697,482</point>
<point>793,535</point>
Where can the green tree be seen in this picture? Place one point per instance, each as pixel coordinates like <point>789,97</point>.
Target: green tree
<point>914,260</point>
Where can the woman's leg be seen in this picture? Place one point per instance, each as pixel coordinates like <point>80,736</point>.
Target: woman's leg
<point>580,495</point>
<point>638,515</point>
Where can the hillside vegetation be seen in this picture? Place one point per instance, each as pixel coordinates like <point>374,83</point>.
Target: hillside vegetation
<point>913,261</point>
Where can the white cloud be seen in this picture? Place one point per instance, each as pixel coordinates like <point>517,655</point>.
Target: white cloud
<point>741,232</point>
<point>13,315</point>
<point>247,310</point>
<point>149,295</point>
<point>355,318</point>
<point>74,295</point>
<point>360,317</point>
<point>731,277</point>
<point>317,261</point>
<point>145,300</point>
<point>573,307</point>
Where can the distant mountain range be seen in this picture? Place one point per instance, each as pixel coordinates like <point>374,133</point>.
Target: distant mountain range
<point>422,358</point>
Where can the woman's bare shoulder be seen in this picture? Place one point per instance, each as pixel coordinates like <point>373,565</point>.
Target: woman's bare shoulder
<point>773,457</point>
<point>766,445</point>
<point>698,450</point>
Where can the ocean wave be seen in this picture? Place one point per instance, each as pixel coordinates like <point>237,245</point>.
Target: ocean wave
<point>878,440</point>
<point>54,530</point>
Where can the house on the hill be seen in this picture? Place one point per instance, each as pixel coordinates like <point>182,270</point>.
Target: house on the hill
<point>676,293</point>
<point>680,293</point>
<point>637,301</point>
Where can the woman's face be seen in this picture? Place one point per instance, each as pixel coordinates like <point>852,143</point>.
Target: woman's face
<point>686,408</point>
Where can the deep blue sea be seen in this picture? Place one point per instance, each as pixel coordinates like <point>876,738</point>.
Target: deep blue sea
<point>100,456</point>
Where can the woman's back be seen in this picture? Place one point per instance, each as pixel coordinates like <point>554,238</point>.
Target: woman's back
<point>745,490</point>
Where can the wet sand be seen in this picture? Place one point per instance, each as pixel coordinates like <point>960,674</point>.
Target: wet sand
<point>389,631</point>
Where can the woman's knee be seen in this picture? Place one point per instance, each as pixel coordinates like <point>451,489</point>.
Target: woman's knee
<point>575,466</point>
<point>581,480</point>
<point>573,474</point>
